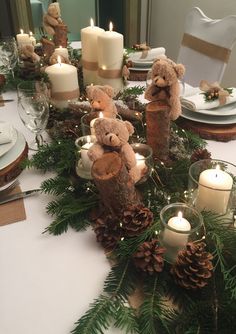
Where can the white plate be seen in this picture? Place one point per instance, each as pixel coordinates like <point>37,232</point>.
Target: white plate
<point>4,148</point>
<point>14,153</point>
<point>142,63</point>
<point>227,110</point>
<point>197,117</point>
<point>146,69</point>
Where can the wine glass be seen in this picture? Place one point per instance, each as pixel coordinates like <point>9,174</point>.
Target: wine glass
<point>8,53</point>
<point>33,110</point>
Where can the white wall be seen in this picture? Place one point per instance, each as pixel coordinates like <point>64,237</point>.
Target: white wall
<point>167,24</point>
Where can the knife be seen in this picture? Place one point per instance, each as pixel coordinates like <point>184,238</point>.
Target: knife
<point>20,195</point>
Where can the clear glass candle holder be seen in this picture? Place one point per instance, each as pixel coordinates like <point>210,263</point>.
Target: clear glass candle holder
<point>180,224</point>
<point>83,163</point>
<point>143,154</point>
<point>88,120</point>
<point>211,185</point>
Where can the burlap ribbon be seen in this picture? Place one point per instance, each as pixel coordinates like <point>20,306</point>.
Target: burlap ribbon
<point>62,96</point>
<point>109,74</point>
<point>214,89</point>
<point>209,49</point>
<point>90,65</point>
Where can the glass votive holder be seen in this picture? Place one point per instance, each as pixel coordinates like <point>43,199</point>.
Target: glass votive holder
<point>180,224</point>
<point>88,120</point>
<point>211,185</point>
<point>83,163</point>
<point>143,154</point>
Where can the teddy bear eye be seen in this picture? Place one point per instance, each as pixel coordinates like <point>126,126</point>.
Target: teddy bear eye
<point>164,78</point>
<point>107,133</point>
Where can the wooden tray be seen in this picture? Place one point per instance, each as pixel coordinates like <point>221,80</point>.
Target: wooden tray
<point>10,172</point>
<point>222,133</point>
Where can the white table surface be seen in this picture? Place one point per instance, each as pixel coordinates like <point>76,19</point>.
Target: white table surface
<point>46,281</point>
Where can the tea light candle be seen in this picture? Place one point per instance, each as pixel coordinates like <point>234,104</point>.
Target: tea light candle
<point>32,38</point>
<point>214,190</point>
<point>62,52</point>
<point>86,162</point>
<point>93,122</point>
<point>64,83</point>
<point>140,161</point>
<point>89,43</point>
<point>23,39</point>
<point>110,58</point>
<point>175,239</point>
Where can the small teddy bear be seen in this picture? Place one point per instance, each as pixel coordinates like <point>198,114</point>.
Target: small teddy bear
<point>165,85</point>
<point>113,135</point>
<point>54,59</point>
<point>52,18</point>
<point>101,99</point>
<point>27,53</point>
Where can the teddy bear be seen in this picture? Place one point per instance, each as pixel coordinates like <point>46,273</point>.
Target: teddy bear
<point>165,85</point>
<point>113,135</point>
<point>52,18</point>
<point>54,59</point>
<point>27,53</point>
<point>101,99</point>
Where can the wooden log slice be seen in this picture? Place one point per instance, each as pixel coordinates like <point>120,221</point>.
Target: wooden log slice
<point>116,188</point>
<point>158,128</point>
<point>60,37</point>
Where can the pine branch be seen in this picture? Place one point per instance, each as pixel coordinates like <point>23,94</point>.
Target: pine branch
<point>57,186</point>
<point>126,319</point>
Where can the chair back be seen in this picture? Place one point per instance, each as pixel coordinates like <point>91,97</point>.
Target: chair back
<point>206,46</point>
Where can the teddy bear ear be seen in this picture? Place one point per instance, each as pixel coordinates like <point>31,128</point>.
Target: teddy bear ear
<point>108,90</point>
<point>89,91</point>
<point>129,127</point>
<point>180,70</point>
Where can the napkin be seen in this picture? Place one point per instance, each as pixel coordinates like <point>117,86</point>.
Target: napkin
<point>5,133</point>
<point>196,102</point>
<point>147,55</point>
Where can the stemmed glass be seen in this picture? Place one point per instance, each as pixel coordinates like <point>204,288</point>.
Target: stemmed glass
<point>8,53</point>
<point>33,109</point>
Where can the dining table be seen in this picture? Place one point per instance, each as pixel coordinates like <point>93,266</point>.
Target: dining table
<point>47,282</point>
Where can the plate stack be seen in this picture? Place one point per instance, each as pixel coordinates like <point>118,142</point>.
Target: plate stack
<point>13,149</point>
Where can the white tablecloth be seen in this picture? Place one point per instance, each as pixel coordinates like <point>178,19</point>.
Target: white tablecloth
<point>46,281</point>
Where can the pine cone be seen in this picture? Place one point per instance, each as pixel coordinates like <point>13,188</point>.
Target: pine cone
<point>108,231</point>
<point>136,219</point>
<point>193,266</point>
<point>200,154</point>
<point>149,257</point>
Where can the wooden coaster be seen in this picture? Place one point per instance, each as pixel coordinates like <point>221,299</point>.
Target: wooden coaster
<point>222,133</point>
<point>14,169</point>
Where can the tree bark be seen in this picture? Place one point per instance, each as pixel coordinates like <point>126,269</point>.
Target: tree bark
<point>158,129</point>
<point>116,188</point>
<point>60,37</point>
<point>48,47</point>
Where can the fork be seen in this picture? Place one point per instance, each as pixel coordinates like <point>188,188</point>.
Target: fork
<point>6,189</point>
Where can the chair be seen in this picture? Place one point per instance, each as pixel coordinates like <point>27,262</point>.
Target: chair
<point>206,46</point>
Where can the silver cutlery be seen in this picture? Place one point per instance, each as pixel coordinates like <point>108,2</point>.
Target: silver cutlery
<point>13,197</point>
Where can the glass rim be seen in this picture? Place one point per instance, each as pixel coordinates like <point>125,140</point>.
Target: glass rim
<point>146,146</point>
<point>93,137</point>
<point>183,205</point>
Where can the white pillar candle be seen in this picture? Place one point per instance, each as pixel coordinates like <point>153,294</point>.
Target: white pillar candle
<point>62,52</point>
<point>86,162</point>
<point>64,83</point>
<point>92,130</point>
<point>89,43</point>
<point>214,190</point>
<point>32,38</point>
<point>23,39</point>
<point>110,58</point>
<point>171,238</point>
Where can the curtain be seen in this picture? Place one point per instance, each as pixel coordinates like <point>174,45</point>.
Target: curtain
<point>21,15</point>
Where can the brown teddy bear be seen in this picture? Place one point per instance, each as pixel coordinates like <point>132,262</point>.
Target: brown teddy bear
<point>52,18</point>
<point>27,53</point>
<point>54,59</point>
<point>113,135</point>
<point>101,99</point>
<point>165,85</point>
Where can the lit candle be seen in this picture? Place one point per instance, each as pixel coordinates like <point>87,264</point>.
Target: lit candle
<point>62,52</point>
<point>86,162</point>
<point>92,130</point>
<point>110,58</point>
<point>214,190</point>
<point>64,83</point>
<point>140,162</point>
<point>23,39</point>
<point>89,43</point>
<point>32,38</point>
<point>173,237</point>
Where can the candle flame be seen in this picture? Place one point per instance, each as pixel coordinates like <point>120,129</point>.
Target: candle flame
<point>21,31</point>
<point>30,33</point>
<point>91,23</point>
<point>59,60</point>
<point>60,47</point>
<point>110,26</point>
<point>100,115</point>
<point>180,214</point>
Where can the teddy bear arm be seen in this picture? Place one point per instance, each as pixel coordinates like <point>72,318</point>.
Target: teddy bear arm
<point>95,152</point>
<point>175,102</point>
<point>150,93</point>
<point>52,21</point>
<point>128,156</point>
